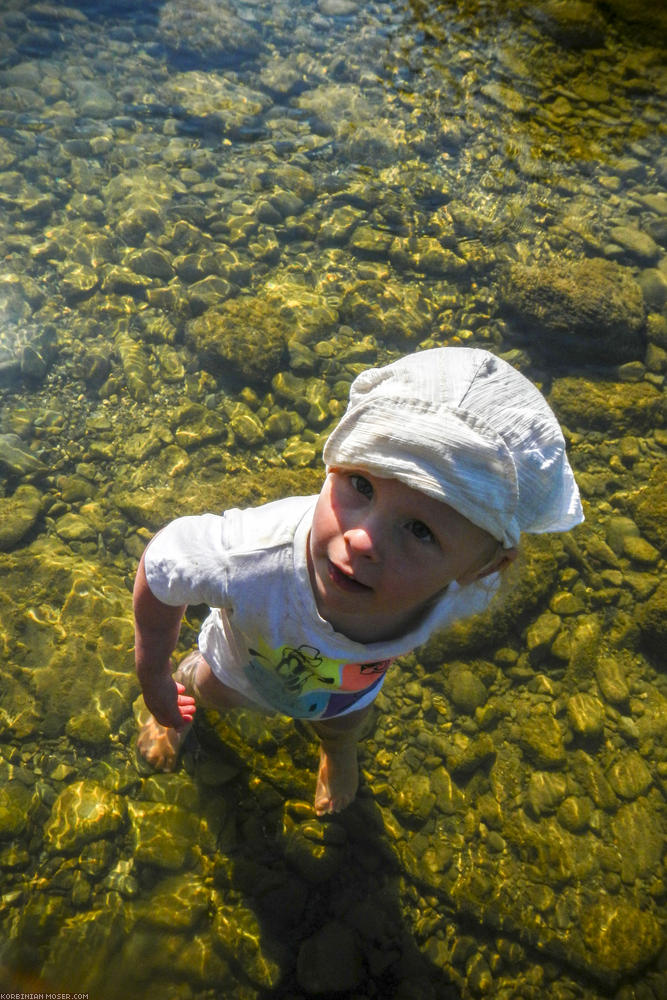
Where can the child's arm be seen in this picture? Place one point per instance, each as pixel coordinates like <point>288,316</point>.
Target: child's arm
<point>157,626</point>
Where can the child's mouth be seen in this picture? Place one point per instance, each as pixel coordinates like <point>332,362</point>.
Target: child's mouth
<point>344,581</point>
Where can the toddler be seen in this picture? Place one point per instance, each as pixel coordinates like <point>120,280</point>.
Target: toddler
<point>439,463</point>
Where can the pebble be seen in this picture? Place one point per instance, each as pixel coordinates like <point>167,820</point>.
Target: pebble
<point>586,715</point>
<point>541,634</point>
<point>611,679</point>
<point>540,736</point>
<point>638,244</point>
<point>16,802</point>
<point>16,459</point>
<point>640,551</point>
<point>546,790</point>
<point>18,514</point>
<point>466,690</point>
<point>629,776</point>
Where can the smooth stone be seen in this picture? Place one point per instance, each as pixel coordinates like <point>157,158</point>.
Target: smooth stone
<point>177,902</point>
<point>74,528</point>
<point>507,97</point>
<point>610,675</point>
<point>314,860</point>
<point>605,926</point>
<point>151,262</point>
<point>479,977</point>
<point>541,738</point>
<point>640,826</point>
<point>15,805</point>
<point>638,244</point>
<point>574,813</point>
<point>163,835</point>
<point>466,690</point>
<point>338,8</point>
<point>541,634</point>
<point>247,426</point>
<point>415,799</point>
<point>238,934</point>
<point>18,513</point>
<point>586,715</point>
<point>546,790</point>
<point>653,284</point>
<point>590,775</point>
<point>565,603</point>
<point>640,551</point>
<point>618,529</point>
<point>299,453</point>
<point>427,255</point>
<point>572,23</point>
<point>90,728</point>
<point>16,458</point>
<point>652,620</point>
<point>83,811</point>
<point>278,424</point>
<point>630,776</point>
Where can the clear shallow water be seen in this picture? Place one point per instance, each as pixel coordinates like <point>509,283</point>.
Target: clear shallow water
<point>212,217</point>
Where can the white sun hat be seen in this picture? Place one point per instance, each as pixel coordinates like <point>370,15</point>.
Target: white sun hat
<point>466,428</point>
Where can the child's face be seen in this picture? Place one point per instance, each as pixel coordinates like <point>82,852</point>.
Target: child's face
<point>380,550</point>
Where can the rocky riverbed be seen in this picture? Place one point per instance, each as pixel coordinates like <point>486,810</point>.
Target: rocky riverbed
<point>214,215</point>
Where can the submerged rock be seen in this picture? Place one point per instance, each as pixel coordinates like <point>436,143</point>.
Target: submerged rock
<point>211,29</point>
<point>84,811</point>
<point>387,310</point>
<point>574,24</point>
<point>653,620</point>
<point>16,801</point>
<point>615,407</point>
<point>620,937</point>
<point>16,459</point>
<point>590,310</point>
<point>224,104</point>
<point>18,514</point>
<point>240,338</point>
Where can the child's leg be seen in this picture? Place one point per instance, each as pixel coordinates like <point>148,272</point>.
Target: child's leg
<point>338,775</point>
<point>159,745</point>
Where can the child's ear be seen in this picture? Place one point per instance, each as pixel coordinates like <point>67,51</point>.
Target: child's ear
<point>500,561</point>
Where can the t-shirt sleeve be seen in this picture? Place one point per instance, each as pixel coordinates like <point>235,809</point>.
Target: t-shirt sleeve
<point>187,562</point>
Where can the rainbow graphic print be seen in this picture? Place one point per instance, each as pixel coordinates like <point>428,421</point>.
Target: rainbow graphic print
<point>304,684</point>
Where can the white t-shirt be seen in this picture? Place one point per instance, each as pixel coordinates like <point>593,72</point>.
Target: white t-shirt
<point>264,636</point>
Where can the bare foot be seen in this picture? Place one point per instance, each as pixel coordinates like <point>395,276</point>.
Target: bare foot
<point>337,779</point>
<point>159,745</point>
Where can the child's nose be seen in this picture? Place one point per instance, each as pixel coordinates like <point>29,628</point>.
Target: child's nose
<point>363,541</point>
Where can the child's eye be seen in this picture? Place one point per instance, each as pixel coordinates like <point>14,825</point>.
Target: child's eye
<point>361,485</point>
<point>421,532</point>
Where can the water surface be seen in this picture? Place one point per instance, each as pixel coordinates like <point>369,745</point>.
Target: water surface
<point>213,216</point>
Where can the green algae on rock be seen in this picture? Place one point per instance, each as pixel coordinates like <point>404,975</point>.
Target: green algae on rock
<point>614,407</point>
<point>587,308</point>
<point>240,339</point>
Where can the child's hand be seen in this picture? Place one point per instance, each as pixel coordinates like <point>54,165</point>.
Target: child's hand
<point>167,701</point>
